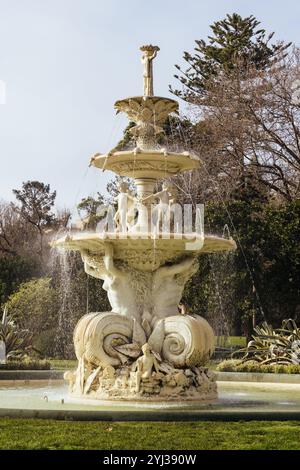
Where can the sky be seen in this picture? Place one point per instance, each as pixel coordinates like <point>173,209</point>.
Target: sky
<point>63,64</point>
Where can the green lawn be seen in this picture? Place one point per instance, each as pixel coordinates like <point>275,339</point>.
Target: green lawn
<point>63,363</point>
<point>48,434</point>
<point>229,341</point>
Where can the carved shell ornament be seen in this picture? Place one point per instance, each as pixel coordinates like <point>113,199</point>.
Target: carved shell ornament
<point>109,339</point>
<point>99,336</point>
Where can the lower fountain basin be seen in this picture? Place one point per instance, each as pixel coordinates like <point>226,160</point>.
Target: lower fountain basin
<point>237,400</point>
<point>145,251</point>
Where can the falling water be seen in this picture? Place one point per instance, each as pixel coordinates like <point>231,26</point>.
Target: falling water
<point>221,264</point>
<point>63,267</point>
<point>226,231</point>
<point>221,302</point>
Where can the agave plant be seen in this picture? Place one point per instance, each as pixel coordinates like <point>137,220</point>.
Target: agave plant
<point>274,346</point>
<point>17,341</point>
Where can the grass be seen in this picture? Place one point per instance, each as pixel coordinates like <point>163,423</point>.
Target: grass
<point>63,364</point>
<point>38,364</point>
<point>48,434</point>
<point>231,341</point>
<point>26,364</point>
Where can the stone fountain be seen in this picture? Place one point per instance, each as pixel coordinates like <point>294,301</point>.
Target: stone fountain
<point>147,347</point>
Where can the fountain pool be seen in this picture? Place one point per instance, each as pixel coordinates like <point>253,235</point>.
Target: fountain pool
<point>236,400</point>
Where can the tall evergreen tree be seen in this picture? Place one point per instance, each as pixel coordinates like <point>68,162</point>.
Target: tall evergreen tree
<point>235,40</point>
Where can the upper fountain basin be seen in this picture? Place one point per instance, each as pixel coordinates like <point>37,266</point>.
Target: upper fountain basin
<point>139,163</point>
<point>145,251</point>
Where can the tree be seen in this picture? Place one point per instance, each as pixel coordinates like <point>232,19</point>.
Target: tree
<point>127,140</point>
<point>8,222</point>
<point>36,201</point>
<point>255,126</point>
<point>89,209</point>
<point>234,40</point>
<point>261,278</point>
<point>16,235</point>
<point>14,270</point>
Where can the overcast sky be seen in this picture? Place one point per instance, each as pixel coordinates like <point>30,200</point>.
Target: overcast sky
<point>65,62</point>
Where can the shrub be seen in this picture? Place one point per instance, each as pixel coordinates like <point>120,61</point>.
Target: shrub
<point>235,365</point>
<point>34,306</point>
<point>26,364</point>
<point>274,346</point>
<point>44,343</point>
<point>16,340</point>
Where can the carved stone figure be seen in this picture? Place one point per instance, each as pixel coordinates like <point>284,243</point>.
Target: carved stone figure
<point>149,54</point>
<point>145,365</point>
<point>109,372</point>
<point>131,292</point>
<point>121,296</point>
<point>162,210</point>
<point>125,212</point>
<point>168,285</point>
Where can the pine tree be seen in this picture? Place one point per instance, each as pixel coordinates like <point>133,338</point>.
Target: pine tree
<point>235,40</point>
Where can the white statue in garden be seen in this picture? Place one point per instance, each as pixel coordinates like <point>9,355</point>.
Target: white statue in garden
<point>149,54</point>
<point>168,285</point>
<point>162,209</point>
<point>116,281</point>
<point>124,216</point>
<point>145,365</point>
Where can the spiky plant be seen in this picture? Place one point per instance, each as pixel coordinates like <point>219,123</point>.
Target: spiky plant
<point>274,346</point>
<point>17,341</point>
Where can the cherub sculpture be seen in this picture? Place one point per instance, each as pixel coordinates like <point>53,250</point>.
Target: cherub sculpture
<point>125,214</point>
<point>162,210</point>
<point>144,366</point>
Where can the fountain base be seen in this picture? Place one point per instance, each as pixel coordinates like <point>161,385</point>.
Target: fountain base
<point>198,384</point>
<point>117,360</point>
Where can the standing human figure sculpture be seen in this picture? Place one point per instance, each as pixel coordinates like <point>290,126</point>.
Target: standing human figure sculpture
<point>149,54</point>
<point>125,211</point>
<point>161,212</point>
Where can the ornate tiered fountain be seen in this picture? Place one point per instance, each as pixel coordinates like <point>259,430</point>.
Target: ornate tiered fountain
<point>147,347</point>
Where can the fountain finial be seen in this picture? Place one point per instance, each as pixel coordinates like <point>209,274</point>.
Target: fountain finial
<point>149,54</point>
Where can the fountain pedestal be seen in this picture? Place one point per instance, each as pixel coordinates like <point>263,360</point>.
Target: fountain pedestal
<point>117,361</point>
